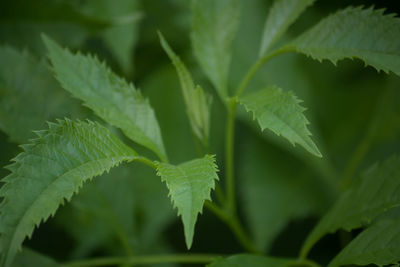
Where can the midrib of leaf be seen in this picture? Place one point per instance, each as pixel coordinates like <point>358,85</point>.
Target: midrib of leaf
<point>191,193</point>
<point>189,185</point>
<point>270,113</point>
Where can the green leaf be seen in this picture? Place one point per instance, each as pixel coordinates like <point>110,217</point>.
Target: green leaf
<point>25,85</point>
<point>244,260</point>
<point>267,186</point>
<point>366,34</point>
<point>197,102</point>
<point>50,170</point>
<point>213,28</point>
<point>109,96</point>
<point>377,191</point>
<point>379,244</point>
<point>189,186</point>
<point>281,113</point>
<point>281,15</point>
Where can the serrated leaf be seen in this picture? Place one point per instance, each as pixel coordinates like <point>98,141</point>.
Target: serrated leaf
<point>213,28</point>
<point>379,244</point>
<point>281,113</point>
<point>197,102</point>
<point>189,186</point>
<point>281,15</point>
<point>109,96</point>
<point>354,32</point>
<point>377,191</point>
<point>26,83</point>
<point>50,170</point>
<point>243,260</point>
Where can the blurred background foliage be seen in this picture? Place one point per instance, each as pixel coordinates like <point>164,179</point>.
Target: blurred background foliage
<point>354,113</point>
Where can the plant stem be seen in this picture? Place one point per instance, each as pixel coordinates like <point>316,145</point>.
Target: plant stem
<point>252,71</point>
<point>303,263</point>
<point>145,161</point>
<point>236,227</point>
<point>229,157</point>
<point>149,259</point>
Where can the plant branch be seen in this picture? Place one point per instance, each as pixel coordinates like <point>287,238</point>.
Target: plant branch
<point>229,157</point>
<point>149,259</point>
<point>303,262</point>
<point>236,227</point>
<point>145,161</point>
<point>259,63</point>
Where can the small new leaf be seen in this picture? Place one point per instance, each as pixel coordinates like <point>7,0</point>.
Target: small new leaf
<point>377,191</point>
<point>50,170</point>
<point>189,186</point>
<point>378,245</point>
<point>213,29</point>
<point>197,102</point>
<point>281,15</point>
<point>281,113</point>
<point>366,34</point>
<point>110,97</point>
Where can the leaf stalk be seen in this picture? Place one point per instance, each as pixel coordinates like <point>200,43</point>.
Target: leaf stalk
<point>148,259</point>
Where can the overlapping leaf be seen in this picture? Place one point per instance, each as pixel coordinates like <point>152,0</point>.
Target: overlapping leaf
<point>280,16</point>
<point>197,102</point>
<point>379,244</point>
<point>281,113</point>
<point>189,186</point>
<point>214,26</point>
<point>49,171</point>
<point>109,96</point>
<point>243,260</point>
<point>25,85</point>
<point>376,192</point>
<point>366,34</point>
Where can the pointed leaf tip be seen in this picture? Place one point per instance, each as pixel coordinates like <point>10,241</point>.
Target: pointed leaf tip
<point>189,186</point>
<point>281,113</point>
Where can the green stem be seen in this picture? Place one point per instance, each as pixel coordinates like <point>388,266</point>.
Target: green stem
<point>145,161</point>
<point>236,227</point>
<point>303,263</point>
<point>229,157</point>
<point>150,259</point>
<point>253,70</point>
